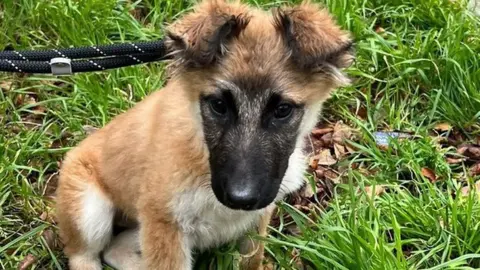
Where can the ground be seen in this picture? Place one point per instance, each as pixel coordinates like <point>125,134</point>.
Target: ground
<point>374,203</point>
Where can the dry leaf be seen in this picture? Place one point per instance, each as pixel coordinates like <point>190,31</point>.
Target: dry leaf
<point>89,129</point>
<point>327,139</point>
<point>379,190</point>
<point>27,262</point>
<point>332,176</point>
<point>321,131</point>
<point>350,148</point>
<point>319,173</point>
<point>307,192</point>
<point>464,191</point>
<point>293,230</point>
<point>5,85</point>
<point>327,173</point>
<point>470,150</point>
<point>379,30</point>
<point>313,162</point>
<point>44,216</point>
<point>30,100</point>
<point>51,185</point>
<point>19,99</point>
<point>475,170</point>
<point>454,160</point>
<point>325,158</point>
<point>339,150</point>
<point>297,259</point>
<point>50,238</point>
<point>39,110</point>
<point>341,132</point>
<point>443,127</point>
<point>268,265</point>
<point>428,173</point>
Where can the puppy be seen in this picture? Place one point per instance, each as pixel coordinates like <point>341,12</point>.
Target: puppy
<point>203,161</point>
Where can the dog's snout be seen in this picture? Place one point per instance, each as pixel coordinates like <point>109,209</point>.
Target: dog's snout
<point>241,198</point>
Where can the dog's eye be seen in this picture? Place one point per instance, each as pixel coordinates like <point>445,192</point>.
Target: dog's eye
<point>283,111</point>
<point>218,106</point>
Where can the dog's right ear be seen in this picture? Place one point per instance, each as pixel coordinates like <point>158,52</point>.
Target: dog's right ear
<point>201,37</point>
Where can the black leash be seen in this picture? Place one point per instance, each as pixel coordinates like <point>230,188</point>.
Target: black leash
<point>83,59</point>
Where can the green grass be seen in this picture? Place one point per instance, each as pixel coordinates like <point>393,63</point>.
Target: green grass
<point>423,69</point>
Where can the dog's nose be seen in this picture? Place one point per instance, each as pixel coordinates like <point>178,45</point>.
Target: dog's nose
<point>241,198</point>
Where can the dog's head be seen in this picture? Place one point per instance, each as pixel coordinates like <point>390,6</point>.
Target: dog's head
<point>259,78</point>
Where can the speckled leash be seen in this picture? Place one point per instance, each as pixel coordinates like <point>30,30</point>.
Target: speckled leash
<point>82,59</point>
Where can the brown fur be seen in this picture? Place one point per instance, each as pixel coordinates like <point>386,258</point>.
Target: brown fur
<point>142,158</point>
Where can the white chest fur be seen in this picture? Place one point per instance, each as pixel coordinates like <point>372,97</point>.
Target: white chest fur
<point>207,223</point>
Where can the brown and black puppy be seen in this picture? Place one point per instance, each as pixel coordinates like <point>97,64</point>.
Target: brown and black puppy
<point>204,160</point>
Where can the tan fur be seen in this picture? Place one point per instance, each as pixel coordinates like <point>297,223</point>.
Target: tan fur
<point>144,157</point>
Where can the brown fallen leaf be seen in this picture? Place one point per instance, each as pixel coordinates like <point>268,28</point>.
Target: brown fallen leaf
<point>443,127</point>
<point>471,151</point>
<point>456,138</point>
<point>293,230</point>
<point>50,239</point>
<point>379,30</point>
<point>44,216</point>
<point>307,192</point>
<point>27,262</point>
<point>350,148</point>
<point>30,100</point>
<point>454,160</point>
<point>321,131</point>
<point>138,12</point>
<point>360,111</point>
<point>6,85</point>
<point>326,173</point>
<point>19,100</point>
<point>297,259</point>
<point>332,176</point>
<point>268,264</point>
<point>325,158</point>
<point>39,109</point>
<point>51,184</point>
<point>464,191</point>
<point>89,129</point>
<point>327,139</point>
<point>339,150</point>
<point>377,191</point>
<point>313,164</point>
<point>430,174</point>
<point>341,132</point>
<point>475,170</point>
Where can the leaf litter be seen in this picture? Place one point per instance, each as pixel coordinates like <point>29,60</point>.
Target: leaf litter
<point>328,144</point>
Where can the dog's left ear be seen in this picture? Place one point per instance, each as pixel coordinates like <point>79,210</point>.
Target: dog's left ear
<point>201,37</point>
<point>313,39</point>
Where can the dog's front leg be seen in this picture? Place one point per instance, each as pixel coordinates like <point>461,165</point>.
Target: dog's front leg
<point>163,245</point>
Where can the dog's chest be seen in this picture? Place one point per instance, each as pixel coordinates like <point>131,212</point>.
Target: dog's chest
<point>207,223</point>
